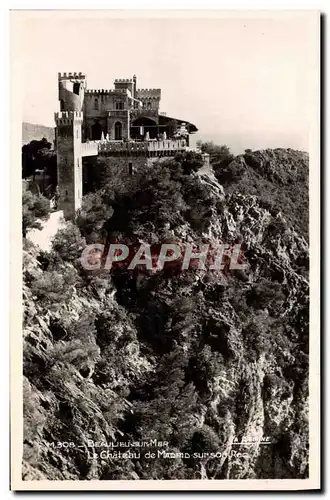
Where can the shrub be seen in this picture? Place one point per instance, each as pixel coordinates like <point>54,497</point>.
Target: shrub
<point>35,208</point>
<point>68,243</point>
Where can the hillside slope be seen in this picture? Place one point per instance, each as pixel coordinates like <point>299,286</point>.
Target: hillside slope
<point>31,132</point>
<point>203,360</point>
<point>279,177</point>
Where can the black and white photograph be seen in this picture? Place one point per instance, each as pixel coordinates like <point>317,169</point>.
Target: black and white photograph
<point>166,329</point>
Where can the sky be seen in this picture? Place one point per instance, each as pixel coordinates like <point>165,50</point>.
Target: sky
<point>247,81</point>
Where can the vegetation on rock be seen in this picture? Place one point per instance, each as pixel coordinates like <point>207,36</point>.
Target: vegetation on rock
<point>38,155</point>
<point>34,209</point>
<point>196,358</point>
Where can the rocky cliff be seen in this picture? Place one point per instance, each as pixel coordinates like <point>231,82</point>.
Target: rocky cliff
<point>214,364</point>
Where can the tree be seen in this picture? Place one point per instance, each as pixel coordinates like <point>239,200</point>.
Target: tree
<point>174,401</point>
<point>94,214</point>
<point>98,173</point>
<point>189,161</point>
<point>217,153</point>
<point>48,162</point>
<point>32,156</point>
<point>38,155</point>
<point>34,207</point>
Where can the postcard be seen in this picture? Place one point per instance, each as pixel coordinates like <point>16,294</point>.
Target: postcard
<point>165,324</point>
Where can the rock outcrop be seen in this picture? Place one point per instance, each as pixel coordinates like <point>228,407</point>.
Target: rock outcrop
<point>205,360</point>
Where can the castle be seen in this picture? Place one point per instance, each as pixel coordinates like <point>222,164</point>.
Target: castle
<point>123,124</point>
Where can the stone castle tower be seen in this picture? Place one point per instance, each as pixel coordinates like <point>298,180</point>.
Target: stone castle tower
<point>68,141</point>
<point>123,125</point>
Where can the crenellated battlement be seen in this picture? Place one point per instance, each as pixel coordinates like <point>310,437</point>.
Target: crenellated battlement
<point>147,94</point>
<point>124,80</point>
<point>149,91</point>
<point>98,91</point>
<point>67,117</point>
<point>144,98</point>
<point>71,76</point>
<point>106,91</point>
<point>167,147</point>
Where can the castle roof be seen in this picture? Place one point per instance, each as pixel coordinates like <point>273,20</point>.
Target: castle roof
<point>167,120</point>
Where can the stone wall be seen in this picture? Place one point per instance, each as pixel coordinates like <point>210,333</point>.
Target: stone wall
<point>121,167</point>
<point>125,166</point>
<point>128,165</point>
<point>105,101</point>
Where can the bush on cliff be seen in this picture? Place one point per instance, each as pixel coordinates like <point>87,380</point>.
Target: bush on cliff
<point>280,179</point>
<point>34,209</point>
<point>193,358</point>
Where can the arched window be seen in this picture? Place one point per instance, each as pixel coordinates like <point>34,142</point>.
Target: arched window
<point>62,105</point>
<point>118,131</point>
<point>96,104</point>
<point>119,105</point>
<point>149,105</point>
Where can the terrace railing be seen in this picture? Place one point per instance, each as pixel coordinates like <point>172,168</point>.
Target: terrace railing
<point>165,147</point>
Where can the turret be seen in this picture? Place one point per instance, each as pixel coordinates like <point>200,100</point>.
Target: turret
<point>150,98</point>
<point>71,89</point>
<point>124,83</point>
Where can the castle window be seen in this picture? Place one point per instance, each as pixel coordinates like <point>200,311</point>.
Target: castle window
<point>130,168</point>
<point>118,131</point>
<point>149,105</point>
<point>62,105</point>
<point>119,105</point>
<point>76,88</point>
<point>96,104</point>
<point>96,131</point>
